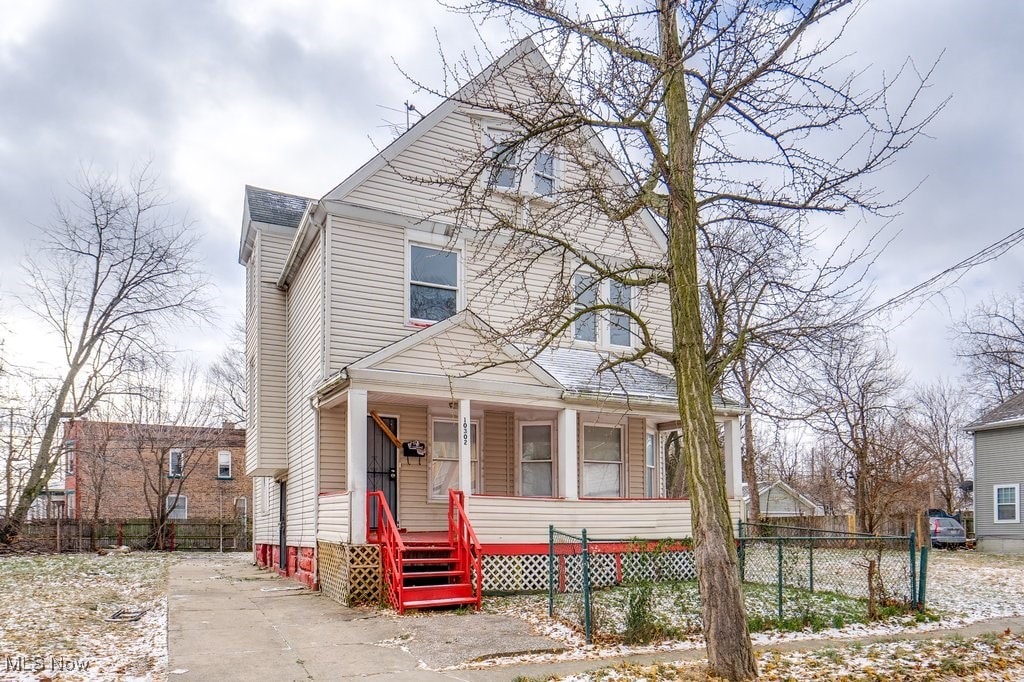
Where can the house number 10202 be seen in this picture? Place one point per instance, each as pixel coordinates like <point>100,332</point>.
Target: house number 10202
<point>465,431</point>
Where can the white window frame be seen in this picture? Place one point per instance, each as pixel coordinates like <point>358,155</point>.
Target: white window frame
<point>438,242</point>
<point>220,455</point>
<point>1016,502</point>
<point>654,490</point>
<point>171,473</point>
<point>177,505</point>
<point>477,483</point>
<point>557,172</point>
<point>495,135</point>
<point>602,333</point>
<point>550,423</point>
<point>622,457</point>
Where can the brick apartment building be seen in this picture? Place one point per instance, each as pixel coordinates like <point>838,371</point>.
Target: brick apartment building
<point>117,470</point>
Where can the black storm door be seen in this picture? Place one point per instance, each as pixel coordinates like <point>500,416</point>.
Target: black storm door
<point>382,465</point>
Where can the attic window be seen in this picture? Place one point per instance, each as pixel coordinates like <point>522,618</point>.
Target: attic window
<point>433,283</point>
<point>503,169</point>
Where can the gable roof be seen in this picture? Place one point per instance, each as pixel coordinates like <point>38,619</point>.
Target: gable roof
<point>1008,413</point>
<point>270,207</point>
<point>785,487</point>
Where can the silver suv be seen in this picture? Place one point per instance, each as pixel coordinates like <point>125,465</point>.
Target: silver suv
<point>947,532</point>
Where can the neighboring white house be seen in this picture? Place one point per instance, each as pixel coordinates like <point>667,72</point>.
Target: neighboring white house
<point>998,475</point>
<point>373,373</point>
<point>781,499</point>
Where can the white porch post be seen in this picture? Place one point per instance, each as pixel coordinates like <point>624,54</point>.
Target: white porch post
<point>356,439</point>
<point>568,470</point>
<point>733,459</point>
<point>465,448</point>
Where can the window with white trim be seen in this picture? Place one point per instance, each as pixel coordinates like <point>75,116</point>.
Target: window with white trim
<point>614,328</point>
<point>503,161</point>
<point>536,461</point>
<point>650,466</point>
<point>602,461</point>
<point>544,173</point>
<point>433,283</point>
<point>444,457</point>
<point>175,463</point>
<point>1007,503</point>
<point>224,464</point>
<point>177,507</point>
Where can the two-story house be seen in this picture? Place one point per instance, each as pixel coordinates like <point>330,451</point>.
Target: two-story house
<point>392,431</point>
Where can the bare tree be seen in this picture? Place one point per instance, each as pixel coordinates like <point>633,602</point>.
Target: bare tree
<point>991,340</point>
<point>712,112</point>
<point>107,276</point>
<point>941,410</point>
<point>227,378</point>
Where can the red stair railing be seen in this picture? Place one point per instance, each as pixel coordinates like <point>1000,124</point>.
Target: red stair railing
<point>392,549</point>
<point>462,538</point>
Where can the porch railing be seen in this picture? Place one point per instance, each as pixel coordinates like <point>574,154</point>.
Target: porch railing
<point>392,549</point>
<point>462,537</point>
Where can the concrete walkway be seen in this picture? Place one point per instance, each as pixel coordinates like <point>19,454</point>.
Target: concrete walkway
<point>228,620</point>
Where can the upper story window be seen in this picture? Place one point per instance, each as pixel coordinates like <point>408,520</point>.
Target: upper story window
<point>612,329</point>
<point>544,173</point>
<point>433,283</point>
<point>224,464</point>
<point>175,463</point>
<point>504,167</point>
<point>514,165</point>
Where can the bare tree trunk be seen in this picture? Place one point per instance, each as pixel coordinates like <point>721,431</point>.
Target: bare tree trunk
<point>730,654</point>
<point>750,471</point>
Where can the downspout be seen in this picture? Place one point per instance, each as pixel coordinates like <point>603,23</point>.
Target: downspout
<point>324,345</point>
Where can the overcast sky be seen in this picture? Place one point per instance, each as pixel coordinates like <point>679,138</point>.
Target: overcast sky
<point>292,95</point>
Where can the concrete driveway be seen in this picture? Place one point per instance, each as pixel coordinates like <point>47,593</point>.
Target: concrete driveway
<point>228,620</point>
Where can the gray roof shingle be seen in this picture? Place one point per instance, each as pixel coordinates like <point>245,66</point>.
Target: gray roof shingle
<point>276,208</point>
<point>1010,410</point>
<point>576,370</point>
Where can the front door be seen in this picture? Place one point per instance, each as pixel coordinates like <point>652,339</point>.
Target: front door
<point>382,465</point>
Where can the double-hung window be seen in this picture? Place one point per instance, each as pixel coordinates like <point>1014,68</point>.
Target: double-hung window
<point>444,458</point>
<point>602,461</point>
<point>537,459</point>
<point>433,283</point>
<point>177,507</point>
<point>503,162</point>
<point>1007,507</point>
<point>650,467</point>
<point>614,328</point>
<point>544,173</point>
<point>175,463</point>
<point>224,464</point>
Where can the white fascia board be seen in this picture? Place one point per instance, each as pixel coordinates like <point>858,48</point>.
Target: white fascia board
<point>432,385</point>
<point>992,426</point>
<point>344,209</point>
<point>304,236</point>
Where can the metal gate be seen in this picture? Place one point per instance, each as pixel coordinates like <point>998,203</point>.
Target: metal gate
<point>382,465</point>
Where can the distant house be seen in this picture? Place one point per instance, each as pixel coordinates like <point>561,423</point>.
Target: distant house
<point>115,470</point>
<point>998,475</point>
<point>781,499</point>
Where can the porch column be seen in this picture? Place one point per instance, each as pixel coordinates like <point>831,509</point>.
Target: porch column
<point>733,459</point>
<point>355,433</point>
<point>568,469</point>
<point>465,448</point>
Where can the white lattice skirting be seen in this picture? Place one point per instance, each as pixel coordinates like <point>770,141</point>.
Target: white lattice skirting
<point>529,572</point>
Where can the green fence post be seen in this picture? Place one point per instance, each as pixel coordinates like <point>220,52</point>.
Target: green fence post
<point>586,585</point>
<point>551,571</point>
<point>741,550</point>
<point>923,576</point>
<point>913,569</point>
<point>780,579</point>
<point>810,547</point>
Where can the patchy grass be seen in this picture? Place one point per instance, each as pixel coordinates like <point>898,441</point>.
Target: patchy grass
<point>981,658</point>
<point>53,614</point>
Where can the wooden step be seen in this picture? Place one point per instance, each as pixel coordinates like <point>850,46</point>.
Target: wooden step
<point>431,574</point>
<point>439,603</point>
<point>427,561</point>
<point>428,592</point>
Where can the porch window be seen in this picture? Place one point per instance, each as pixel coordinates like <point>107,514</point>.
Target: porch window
<point>433,283</point>
<point>602,461</point>
<point>444,458</point>
<point>650,467</point>
<point>536,462</point>
<point>1007,504</point>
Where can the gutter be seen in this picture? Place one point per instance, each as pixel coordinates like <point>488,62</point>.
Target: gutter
<point>992,426</point>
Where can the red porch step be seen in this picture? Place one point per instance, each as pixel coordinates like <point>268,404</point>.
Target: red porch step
<point>430,578</point>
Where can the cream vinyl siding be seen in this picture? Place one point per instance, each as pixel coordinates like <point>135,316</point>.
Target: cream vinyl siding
<point>333,517</point>
<point>499,456</point>
<point>367,289</point>
<point>526,520</point>
<point>333,451</point>
<point>457,351</point>
<point>304,372</point>
<point>265,437</point>
<point>414,512</point>
<point>264,517</point>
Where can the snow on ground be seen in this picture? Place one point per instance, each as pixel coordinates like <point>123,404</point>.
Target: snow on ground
<point>53,609</point>
<point>962,588</point>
